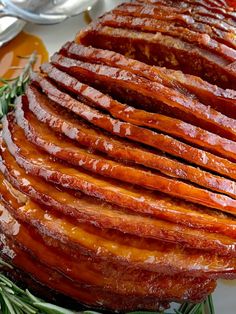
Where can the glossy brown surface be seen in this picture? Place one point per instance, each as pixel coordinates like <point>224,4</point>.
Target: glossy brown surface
<point>163,123</point>
<point>87,136</point>
<point>103,215</point>
<point>22,46</point>
<point>88,294</point>
<point>152,26</point>
<point>78,179</point>
<point>197,38</point>
<point>212,95</point>
<point>81,207</point>
<point>140,177</point>
<point>83,269</point>
<point>117,182</point>
<point>151,96</point>
<point>35,132</point>
<point>143,255</point>
<point>198,8</point>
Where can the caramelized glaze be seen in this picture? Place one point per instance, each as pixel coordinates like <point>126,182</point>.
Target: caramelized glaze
<point>148,95</point>
<point>108,216</point>
<point>189,85</point>
<point>139,253</point>
<point>83,208</point>
<point>23,45</point>
<point>83,269</point>
<point>78,156</point>
<point>202,44</point>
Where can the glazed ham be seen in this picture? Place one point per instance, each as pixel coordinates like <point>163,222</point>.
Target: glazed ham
<point>117,176</point>
<point>186,84</point>
<point>195,37</point>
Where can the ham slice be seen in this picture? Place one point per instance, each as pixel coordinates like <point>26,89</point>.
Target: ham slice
<point>80,180</point>
<point>167,35</point>
<point>221,100</point>
<point>85,208</point>
<point>153,26</point>
<point>149,95</point>
<point>145,255</point>
<point>196,8</point>
<point>103,215</point>
<point>88,295</point>
<point>36,131</point>
<point>82,269</point>
<point>114,147</point>
<point>148,180</point>
<point>160,10</point>
<point>99,100</point>
<point>41,271</point>
<point>221,35</point>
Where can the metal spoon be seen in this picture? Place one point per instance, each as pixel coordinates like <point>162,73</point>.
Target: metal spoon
<point>45,11</point>
<point>14,13</point>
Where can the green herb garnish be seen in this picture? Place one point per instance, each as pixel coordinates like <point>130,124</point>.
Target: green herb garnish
<point>11,88</point>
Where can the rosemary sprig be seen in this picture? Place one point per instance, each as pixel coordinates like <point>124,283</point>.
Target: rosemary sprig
<point>11,88</point>
<point>14,300</point>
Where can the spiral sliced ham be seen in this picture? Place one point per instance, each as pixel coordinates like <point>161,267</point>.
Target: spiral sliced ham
<point>118,178</point>
<point>140,254</point>
<point>191,37</point>
<point>214,96</point>
<point>86,210</point>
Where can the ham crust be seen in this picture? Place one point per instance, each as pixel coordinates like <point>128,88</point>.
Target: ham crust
<point>218,33</point>
<point>153,256</point>
<point>88,295</point>
<point>35,132</point>
<point>86,136</point>
<point>196,8</point>
<point>103,215</point>
<point>170,35</point>
<point>97,273</point>
<point>221,100</point>
<point>116,302</point>
<point>154,96</point>
<point>75,205</point>
<point>160,10</point>
<point>153,26</point>
<point>78,179</point>
<point>146,45</point>
<point>95,98</point>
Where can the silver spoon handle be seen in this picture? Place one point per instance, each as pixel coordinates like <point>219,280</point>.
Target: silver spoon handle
<point>4,12</point>
<point>9,9</point>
